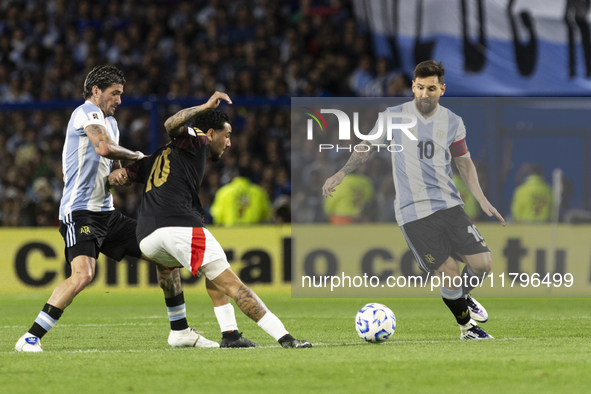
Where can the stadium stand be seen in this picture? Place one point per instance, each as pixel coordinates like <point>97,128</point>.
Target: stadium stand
<point>171,50</point>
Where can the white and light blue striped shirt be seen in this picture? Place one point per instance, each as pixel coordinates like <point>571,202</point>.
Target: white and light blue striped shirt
<point>422,171</point>
<point>85,171</point>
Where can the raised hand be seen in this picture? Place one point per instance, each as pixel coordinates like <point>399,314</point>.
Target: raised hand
<point>331,183</point>
<point>215,100</point>
<point>490,211</point>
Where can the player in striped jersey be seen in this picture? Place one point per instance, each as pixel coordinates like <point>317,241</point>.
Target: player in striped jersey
<point>90,224</point>
<point>427,204</point>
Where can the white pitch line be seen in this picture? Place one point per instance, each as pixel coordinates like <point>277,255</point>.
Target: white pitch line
<point>127,351</point>
<point>534,318</point>
<point>315,344</point>
<point>401,342</point>
<point>206,323</point>
<point>106,325</point>
<point>93,325</point>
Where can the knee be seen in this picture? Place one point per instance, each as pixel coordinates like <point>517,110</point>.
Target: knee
<point>219,299</point>
<point>228,283</point>
<point>231,288</point>
<point>81,280</point>
<point>483,265</point>
<point>487,264</point>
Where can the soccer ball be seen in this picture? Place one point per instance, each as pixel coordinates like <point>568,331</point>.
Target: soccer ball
<point>375,322</point>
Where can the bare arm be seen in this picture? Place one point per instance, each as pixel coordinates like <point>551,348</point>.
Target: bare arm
<point>354,162</point>
<point>104,145</point>
<point>174,125</point>
<point>470,177</point>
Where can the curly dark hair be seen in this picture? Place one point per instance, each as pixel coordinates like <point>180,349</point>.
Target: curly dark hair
<point>211,120</point>
<point>103,77</point>
<point>430,68</point>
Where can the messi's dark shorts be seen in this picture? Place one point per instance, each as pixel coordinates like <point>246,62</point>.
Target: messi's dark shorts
<point>89,233</point>
<point>445,233</point>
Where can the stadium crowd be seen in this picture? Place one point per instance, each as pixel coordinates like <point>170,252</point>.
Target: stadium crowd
<point>173,49</point>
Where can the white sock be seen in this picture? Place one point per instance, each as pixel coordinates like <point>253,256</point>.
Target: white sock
<point>272,325</point>
<point>226,317</point>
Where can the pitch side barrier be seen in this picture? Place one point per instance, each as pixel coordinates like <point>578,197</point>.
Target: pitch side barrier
<point>373,260</point>
<point>326,261</point>
<point>33,260</point>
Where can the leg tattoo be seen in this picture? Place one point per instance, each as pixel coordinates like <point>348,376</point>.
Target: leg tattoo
<point>250,303</point>
<point>170,281</point>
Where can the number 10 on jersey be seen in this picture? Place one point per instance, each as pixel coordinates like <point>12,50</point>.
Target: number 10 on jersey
<point>426,149</point>
<point>160,171</point>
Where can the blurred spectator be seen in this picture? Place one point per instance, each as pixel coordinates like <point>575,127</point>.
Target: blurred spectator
<point>307,201</point>
<point>362,76</point>
<point>471,205</point>
<point>282,210</point>
<point>378,86</point>
<point>532,200</point>
<point>282,184</point>
<point>240,202</point>
<point>385,201</point>
<point>349,200</point>
<point>46,209</point>
<point>14,198</point>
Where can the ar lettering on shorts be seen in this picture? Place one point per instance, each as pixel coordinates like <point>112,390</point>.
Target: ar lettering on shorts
<point>85,230</point>
<point>430,259</point>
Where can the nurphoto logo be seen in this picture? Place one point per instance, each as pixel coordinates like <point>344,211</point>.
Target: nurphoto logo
<point>384,124</point>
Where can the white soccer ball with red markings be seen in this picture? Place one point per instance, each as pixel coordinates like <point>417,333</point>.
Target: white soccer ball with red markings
<point>375,322</point>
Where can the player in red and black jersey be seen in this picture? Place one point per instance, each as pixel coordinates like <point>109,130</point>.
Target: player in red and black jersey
<point>170,220</point>
<point>173,176</point>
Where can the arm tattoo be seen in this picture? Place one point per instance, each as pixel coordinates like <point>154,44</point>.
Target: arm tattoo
<point>250,303</point>
<point>357,159</point>
<point>96,131</point>
<point>114,151</point>
<point>181,118</point>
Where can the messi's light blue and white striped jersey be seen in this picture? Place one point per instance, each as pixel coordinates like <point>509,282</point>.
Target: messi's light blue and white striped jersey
<point>422,170</point>
<point>85,171</point>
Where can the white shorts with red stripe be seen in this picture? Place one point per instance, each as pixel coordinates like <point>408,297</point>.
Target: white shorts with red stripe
<point>195,248</point>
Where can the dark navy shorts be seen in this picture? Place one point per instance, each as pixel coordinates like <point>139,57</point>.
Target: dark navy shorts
<point>88,233</point>
<point>445,233</point>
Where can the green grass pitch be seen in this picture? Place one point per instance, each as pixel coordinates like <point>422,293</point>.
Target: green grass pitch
<point>115,342</point>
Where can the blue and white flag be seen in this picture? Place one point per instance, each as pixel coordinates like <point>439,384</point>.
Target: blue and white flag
<point>488,47</point>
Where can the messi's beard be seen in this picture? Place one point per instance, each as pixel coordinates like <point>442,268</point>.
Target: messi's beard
<point>426,105</point>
